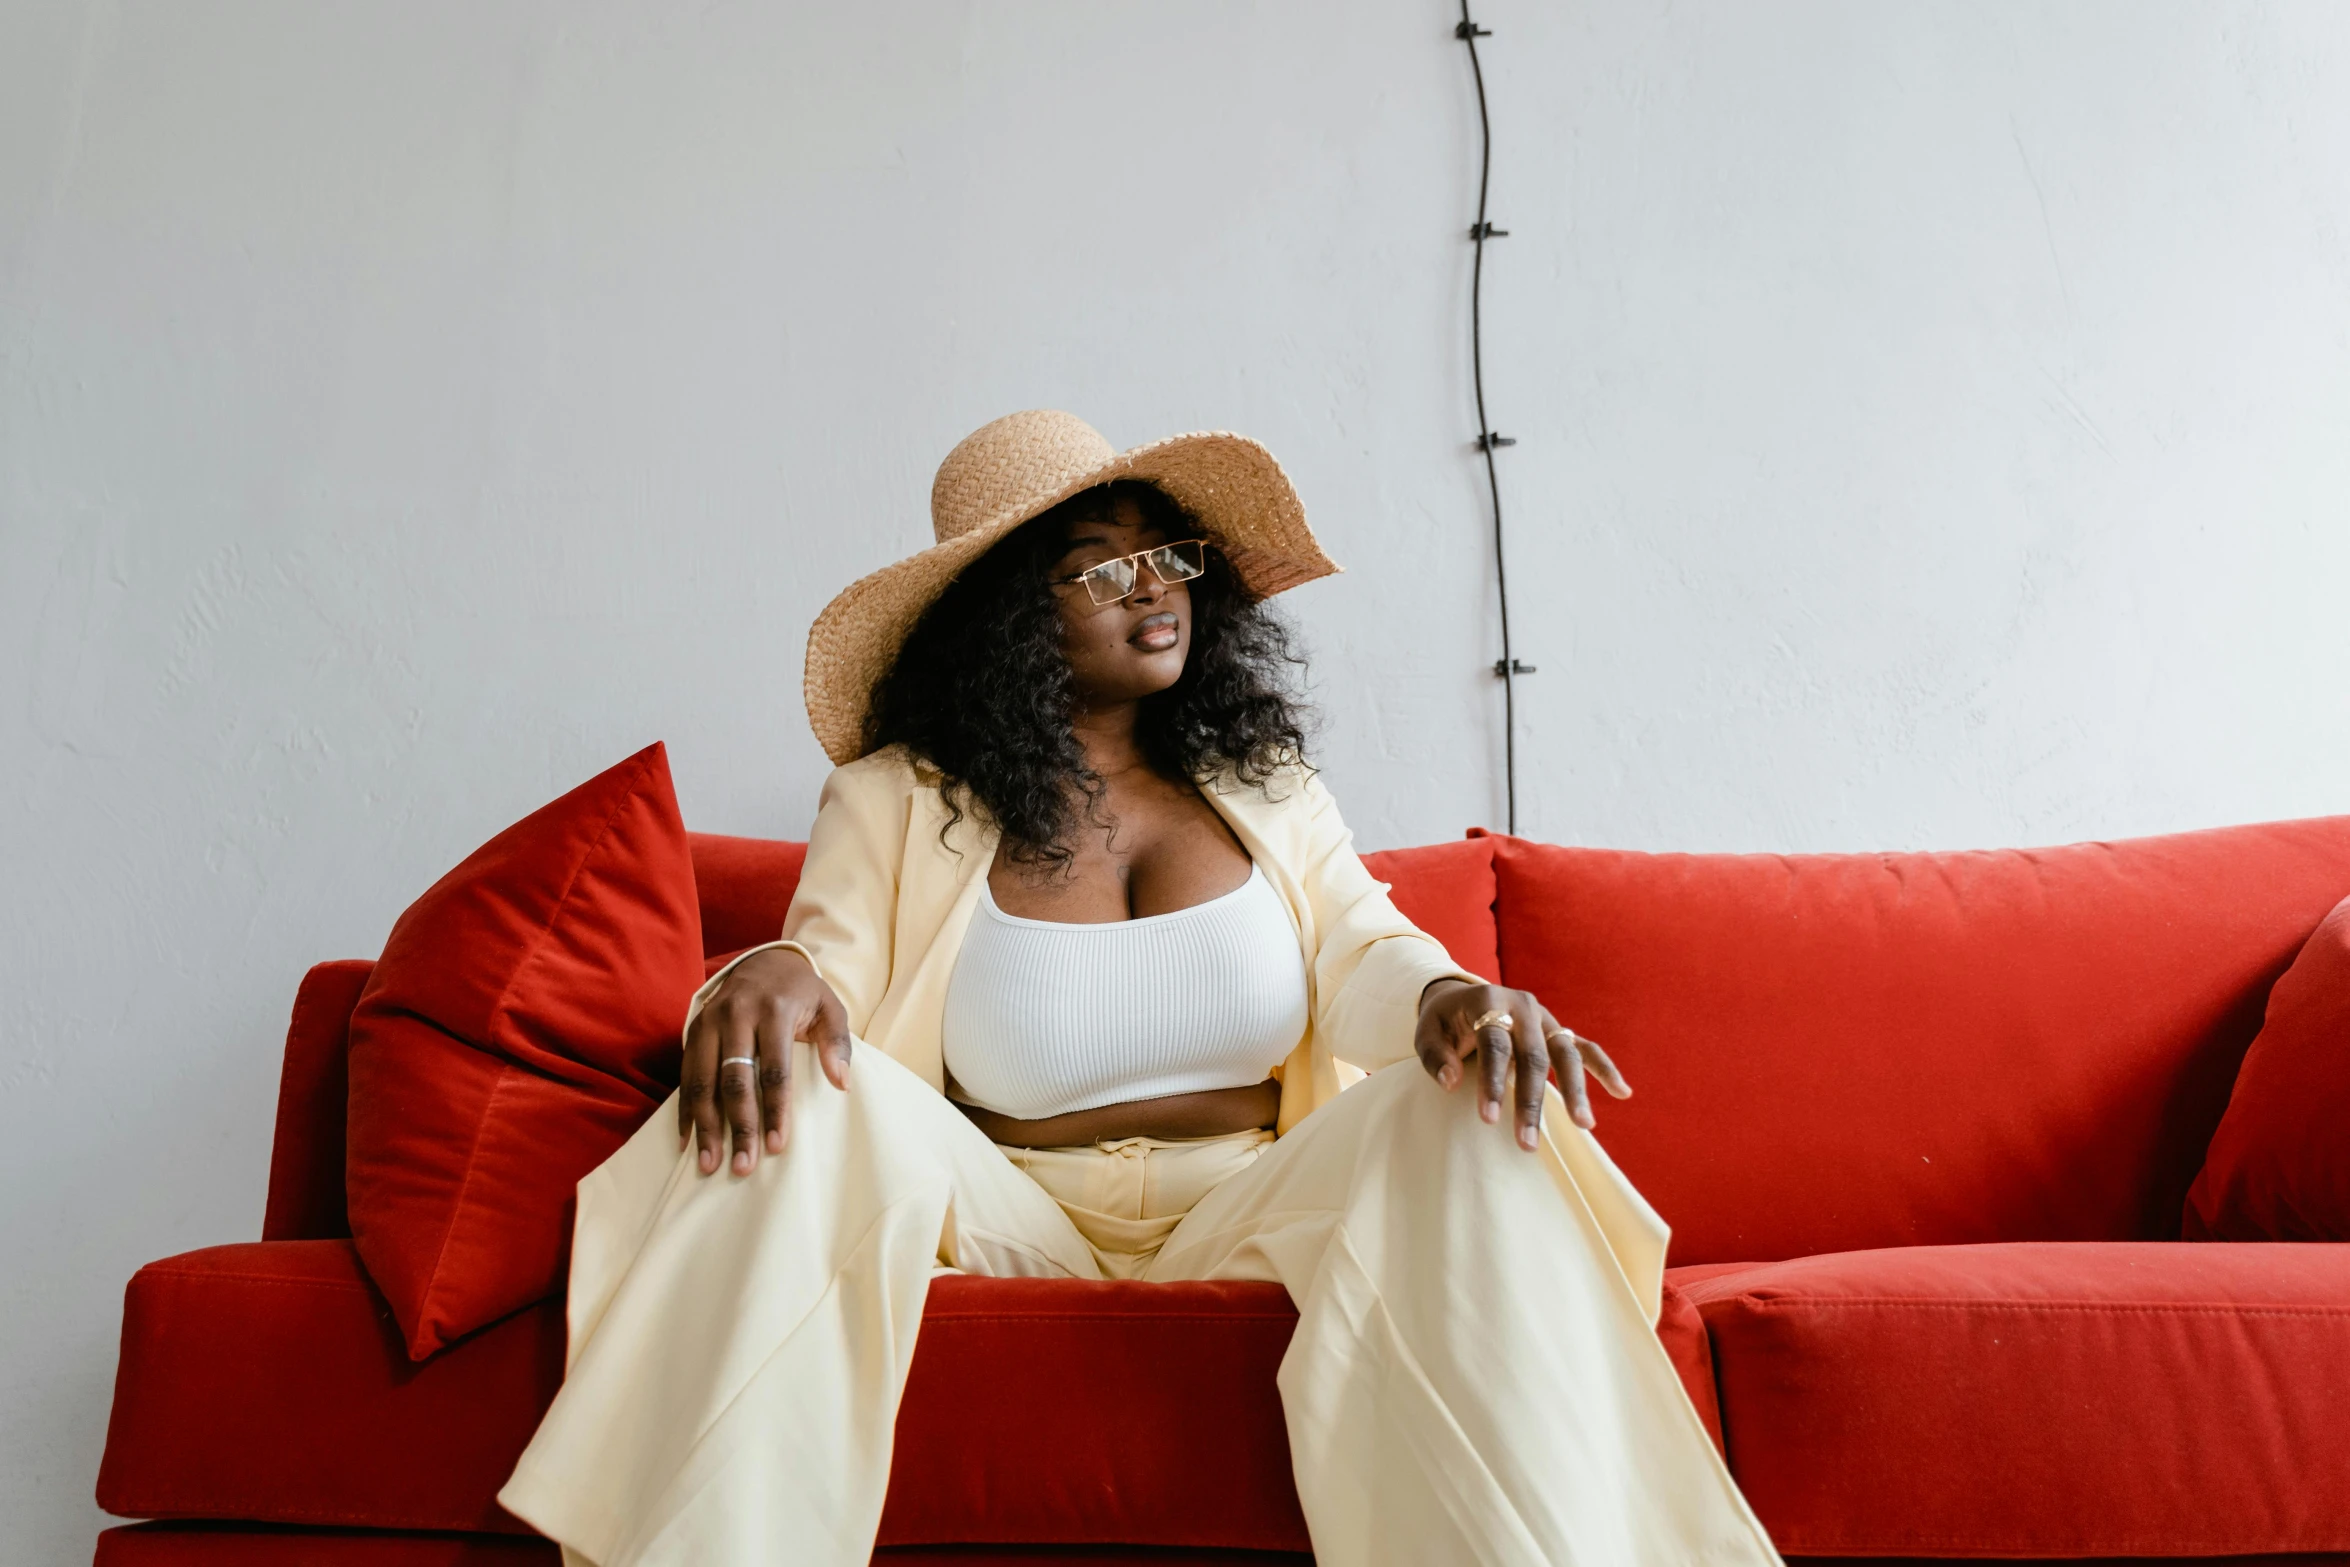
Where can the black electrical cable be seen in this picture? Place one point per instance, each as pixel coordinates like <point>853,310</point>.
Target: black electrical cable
<point>1507,666</point>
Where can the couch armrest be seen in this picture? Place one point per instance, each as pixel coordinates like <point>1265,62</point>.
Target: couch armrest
<point>306,1159</point>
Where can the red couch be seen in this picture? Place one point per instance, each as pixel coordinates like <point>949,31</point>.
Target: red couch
<point>1922,1124</point>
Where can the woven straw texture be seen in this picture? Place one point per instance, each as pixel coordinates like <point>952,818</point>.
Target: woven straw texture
<point>1004,474</point>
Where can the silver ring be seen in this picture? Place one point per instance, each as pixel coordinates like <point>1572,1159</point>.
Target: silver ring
<point>1497,1018</point>
<point>750,1061</point>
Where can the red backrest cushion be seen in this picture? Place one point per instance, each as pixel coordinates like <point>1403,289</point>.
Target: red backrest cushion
<point>1446,889</point>
<point>2278,1168</point>
<point>745,886</point>
<point>520,1024</point>
<point>1831,1052</point>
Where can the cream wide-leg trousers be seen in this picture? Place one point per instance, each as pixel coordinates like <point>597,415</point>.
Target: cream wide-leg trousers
<point>1474,1378</point>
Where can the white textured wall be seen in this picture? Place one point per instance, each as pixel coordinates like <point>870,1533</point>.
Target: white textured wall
<point>1935,430</point>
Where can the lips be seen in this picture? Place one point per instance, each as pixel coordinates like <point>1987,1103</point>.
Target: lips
<point>1157,633</point>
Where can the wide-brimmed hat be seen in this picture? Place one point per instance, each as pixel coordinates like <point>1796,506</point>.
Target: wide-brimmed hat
<point>1006,473</point>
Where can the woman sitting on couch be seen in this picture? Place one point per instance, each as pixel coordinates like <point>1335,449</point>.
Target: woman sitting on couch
<point>1080,963</point>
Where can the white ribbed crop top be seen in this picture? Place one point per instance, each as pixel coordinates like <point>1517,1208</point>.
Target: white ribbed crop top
<point>1044,1017</point>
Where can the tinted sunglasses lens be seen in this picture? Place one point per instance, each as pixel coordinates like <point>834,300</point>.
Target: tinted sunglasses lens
<point>1179,562</point>
<point>1109,582</point>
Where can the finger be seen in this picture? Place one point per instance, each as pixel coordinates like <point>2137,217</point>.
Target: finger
<point>1567,1062</point>
<point>828,1031</point>
<point>698,1087</point>
<point>1564,1069</point>
<point>774,1072</point>
<point>1493,1062</point>
<point>1533,1070</point>
<point>738,1092</point>
<point>1438,1041</point>
<point>695,1041</point>
<point>1602,1068</point>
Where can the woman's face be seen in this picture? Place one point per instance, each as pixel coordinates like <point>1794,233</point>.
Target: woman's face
<point>1135,647</point>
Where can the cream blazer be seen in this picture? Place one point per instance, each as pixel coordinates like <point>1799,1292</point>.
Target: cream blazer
<point>889,889</point>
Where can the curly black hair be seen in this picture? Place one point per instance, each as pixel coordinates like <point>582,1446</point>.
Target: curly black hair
<point>981,689</point>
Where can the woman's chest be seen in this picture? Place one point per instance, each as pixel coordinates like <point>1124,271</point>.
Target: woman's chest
<point>1146,852</point>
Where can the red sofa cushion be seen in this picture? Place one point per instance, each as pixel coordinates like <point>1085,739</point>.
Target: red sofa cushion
<point>2081,1399</point>
<point>1447,889</point>
<point>1834,1052</point>
<point>269,1383</point>
<point>520,1024</point>
<point>745,886</point>
<point>2278,1168</point>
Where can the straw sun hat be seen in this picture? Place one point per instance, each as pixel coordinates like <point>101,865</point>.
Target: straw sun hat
<point>1006,473</point>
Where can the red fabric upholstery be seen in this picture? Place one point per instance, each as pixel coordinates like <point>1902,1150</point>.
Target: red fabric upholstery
<point>1833,1052</point>
<point>1682,1331</point>
<point>2279,1166</point>
<point>184,1545</point>
<point>520,1024</point>
<point>1154,1397</point>
<point>1447,889</point>
<point>2041,1399</point>
<point>268,1382</point>
<point>745,886</point>
<point>306,1160</point>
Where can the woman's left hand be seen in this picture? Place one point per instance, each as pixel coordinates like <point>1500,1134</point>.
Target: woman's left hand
<point>1530,1039</point>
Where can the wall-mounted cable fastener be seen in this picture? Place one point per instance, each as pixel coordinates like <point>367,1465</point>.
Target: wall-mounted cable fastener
<point>1514,666</point>
<point>1490,441</point>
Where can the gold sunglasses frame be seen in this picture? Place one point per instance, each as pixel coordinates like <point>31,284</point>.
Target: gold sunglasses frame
<point>1140,559</point>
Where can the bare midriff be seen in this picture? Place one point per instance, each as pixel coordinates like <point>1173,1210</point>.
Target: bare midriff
<point>1214,1112</point>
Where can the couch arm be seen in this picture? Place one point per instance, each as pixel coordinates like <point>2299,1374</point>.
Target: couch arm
<point>269,1383</point>
<point>306,1159</point>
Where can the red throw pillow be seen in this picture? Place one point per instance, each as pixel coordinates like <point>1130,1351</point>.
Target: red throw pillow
<point>2278,1168</point>
<point>521,1023</point>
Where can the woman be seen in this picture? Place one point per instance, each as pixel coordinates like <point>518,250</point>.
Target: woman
<point>1080,962</point>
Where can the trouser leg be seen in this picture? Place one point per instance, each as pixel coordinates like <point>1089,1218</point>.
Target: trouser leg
<point>738,1344</point>
<point>1474,1378</point>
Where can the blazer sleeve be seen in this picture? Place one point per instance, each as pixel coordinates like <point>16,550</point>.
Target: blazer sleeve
<point>843,916</point>
<point>1371,963</point>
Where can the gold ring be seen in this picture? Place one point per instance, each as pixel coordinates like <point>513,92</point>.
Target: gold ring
<point>1497,1018</point>
<point>1567,1034</point>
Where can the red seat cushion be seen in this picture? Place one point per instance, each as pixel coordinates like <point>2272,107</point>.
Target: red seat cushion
<point>1839,1051</point>
<point>268,1382</point>
<point>2095,1399</point>
<point>2278,1168</point>
<point>520,1024</point>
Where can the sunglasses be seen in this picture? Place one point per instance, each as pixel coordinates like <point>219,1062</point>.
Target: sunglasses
<point>1112,580</point>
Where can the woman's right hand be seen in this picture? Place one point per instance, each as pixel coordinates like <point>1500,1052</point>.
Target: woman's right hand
<point>768,1001</point>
